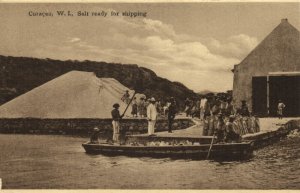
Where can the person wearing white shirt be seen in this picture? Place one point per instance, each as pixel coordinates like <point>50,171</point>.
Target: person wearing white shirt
<point>151,116</point>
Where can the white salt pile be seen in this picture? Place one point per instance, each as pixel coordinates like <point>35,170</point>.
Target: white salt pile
<point>75,94</point>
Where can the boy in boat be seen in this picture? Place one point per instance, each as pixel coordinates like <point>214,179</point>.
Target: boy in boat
<point>95,136</point>
<point>116,117</point>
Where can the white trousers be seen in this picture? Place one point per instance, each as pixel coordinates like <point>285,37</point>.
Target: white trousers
<point>201,113</point>
<point>151,125</point>
<point>116,130</point>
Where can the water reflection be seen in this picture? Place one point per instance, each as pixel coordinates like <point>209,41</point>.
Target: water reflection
<point>29,161</point>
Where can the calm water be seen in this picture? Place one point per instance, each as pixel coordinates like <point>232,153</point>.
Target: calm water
<point>41,161</point>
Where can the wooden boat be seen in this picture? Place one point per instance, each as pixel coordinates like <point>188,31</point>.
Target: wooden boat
<point>176,147</point>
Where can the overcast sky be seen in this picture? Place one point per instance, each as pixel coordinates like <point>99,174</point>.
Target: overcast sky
<point>196,44</point>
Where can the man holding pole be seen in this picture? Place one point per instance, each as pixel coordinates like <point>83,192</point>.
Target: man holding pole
<point>115,113</point>
<point>151,116</point>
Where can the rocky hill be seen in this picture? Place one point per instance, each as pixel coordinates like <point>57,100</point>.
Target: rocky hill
<point>21,74</point>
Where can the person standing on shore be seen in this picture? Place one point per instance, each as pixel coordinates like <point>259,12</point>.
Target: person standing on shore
<point>126,97</point>
<point>141,107</point>
<point>151,116</point>
<point>220,129</point>
<point>187,104</point>
<point>244,111</point>
<point>116,117</point>
<point>230,134</point>
<point>281,106</point>
<point>171,114</point>
<point>203,104</point>
<point>134,108</point>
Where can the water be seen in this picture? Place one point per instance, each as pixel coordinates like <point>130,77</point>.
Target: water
<point>44,161</point>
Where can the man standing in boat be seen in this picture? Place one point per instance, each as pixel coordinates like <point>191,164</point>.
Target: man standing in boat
<point>151,116</point>
<point>116,117</point>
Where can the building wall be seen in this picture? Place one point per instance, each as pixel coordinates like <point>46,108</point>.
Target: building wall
<point>278,52</point>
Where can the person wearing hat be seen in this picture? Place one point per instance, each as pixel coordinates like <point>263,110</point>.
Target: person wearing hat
<point>151,116</point>
<point>95,135</point>
<point>116,117</point>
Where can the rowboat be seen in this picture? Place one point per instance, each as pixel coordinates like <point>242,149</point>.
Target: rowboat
<point>174,147</point>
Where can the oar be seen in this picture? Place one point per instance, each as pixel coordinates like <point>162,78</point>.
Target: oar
<point>138,87</point>
<point>211,144</point>
<point>129,103</point>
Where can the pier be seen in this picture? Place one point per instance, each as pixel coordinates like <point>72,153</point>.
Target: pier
<point>271,130</point>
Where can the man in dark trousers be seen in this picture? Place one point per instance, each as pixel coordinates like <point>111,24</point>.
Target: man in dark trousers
<point>171,113</point>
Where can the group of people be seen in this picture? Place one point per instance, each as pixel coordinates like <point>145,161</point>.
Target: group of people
<point>219,116</point>
<point>226,122</point>
<point>206,106</point>
<point>151,115</point>
<point>153,109</point>
<point>139,108</point>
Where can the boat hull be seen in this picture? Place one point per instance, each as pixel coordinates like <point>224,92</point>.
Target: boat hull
<point>225,151</point>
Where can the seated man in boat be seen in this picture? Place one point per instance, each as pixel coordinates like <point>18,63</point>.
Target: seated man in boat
<point>95,136</point>
<point>230,135</point>
<point>116,117</point>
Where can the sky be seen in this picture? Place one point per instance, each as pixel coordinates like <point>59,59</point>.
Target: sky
<point>196,44</point>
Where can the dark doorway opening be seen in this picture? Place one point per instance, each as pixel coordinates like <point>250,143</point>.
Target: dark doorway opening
<point>259,96</point>
<point>286,89</point>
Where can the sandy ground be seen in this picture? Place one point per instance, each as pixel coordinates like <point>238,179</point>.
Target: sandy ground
<point>271,124</point>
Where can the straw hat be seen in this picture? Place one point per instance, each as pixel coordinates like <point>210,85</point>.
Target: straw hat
<point>152,99</point>
<point>116,105</point>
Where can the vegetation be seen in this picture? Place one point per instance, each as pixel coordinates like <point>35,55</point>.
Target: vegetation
<point>21,74</point>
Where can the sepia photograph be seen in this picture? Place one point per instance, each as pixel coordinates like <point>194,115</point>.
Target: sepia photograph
<point>150,95</point>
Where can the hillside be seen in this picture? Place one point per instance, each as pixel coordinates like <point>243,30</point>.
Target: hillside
<point>22,74</point>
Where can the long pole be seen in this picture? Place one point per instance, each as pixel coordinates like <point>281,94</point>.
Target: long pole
<point>210,147</point>
<point>129,103</point>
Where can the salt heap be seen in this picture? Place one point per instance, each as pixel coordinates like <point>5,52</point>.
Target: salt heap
<point>75,94</point>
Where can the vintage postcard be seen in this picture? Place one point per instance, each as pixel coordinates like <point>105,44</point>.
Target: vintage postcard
<point>150,95</point>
